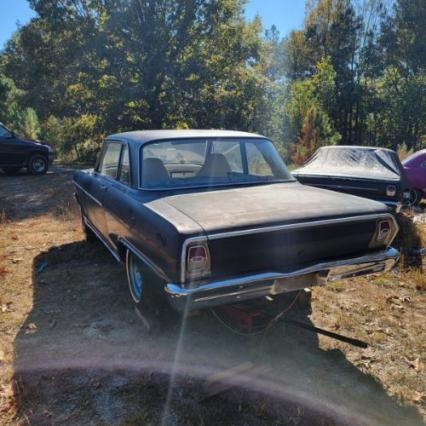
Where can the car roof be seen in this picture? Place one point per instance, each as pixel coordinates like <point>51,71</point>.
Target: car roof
<point>143,136</point>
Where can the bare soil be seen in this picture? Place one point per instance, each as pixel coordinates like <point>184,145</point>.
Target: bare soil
<point>73,351</point>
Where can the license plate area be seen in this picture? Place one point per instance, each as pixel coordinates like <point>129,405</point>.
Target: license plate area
<point>299,282</point>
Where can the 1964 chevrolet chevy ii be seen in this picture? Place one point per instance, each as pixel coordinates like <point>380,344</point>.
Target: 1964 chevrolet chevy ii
<point>209,217</point>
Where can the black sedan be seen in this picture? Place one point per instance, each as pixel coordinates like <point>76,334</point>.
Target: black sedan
<point>205,218</point>
<point>17,153</point>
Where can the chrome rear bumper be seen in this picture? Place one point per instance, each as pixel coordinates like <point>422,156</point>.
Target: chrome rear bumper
<point>211,293</point>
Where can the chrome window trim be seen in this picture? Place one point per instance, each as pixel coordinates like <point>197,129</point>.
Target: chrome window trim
<point>88,194</point>
<point>298,225</point>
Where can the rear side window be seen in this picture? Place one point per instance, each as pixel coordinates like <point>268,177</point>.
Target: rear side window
<point>125,166</point>
<point>108,165</point>
<point>257,164</point>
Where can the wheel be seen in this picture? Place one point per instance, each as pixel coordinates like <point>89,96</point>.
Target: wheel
<point>415,197</point>
<point>144,289</point>
<point>38,165</point>
<point>11,171</point>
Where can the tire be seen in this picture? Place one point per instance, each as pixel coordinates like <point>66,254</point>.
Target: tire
<point>11,171</point>
<point>144,289</point>
<point>38,164</point>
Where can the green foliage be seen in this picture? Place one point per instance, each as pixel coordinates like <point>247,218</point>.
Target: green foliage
<point>74,138</point>
<point>355,73</point>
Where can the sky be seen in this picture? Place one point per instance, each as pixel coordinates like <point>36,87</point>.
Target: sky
<point>284,14</point>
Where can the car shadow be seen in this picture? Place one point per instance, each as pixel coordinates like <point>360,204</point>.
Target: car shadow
<point>83,356</point>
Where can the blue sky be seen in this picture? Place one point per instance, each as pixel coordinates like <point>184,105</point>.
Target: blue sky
<point>285,14</point>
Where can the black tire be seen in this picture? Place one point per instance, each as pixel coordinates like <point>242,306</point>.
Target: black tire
<point>11,171</point>
<point>145,288</point>
<point>38,164</point>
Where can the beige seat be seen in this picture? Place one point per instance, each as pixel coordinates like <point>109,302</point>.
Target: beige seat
<point>216,165</point>
<point>154,171</point>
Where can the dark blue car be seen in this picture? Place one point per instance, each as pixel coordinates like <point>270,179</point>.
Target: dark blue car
<point>17,153</point>
<point>205,217</point>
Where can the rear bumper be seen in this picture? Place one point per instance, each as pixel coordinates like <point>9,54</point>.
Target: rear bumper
<point>246,287</point>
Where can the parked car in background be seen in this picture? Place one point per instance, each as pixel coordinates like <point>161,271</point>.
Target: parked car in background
<point>369,172</point>
<point>17,153</point>
<point>205,218</point>
<point>415,170</point>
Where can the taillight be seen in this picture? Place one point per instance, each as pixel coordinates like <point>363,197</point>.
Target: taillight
<point>198,261</point>
<point>391,190</point>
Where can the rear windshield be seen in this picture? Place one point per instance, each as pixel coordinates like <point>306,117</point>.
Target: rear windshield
<point>210,162</point>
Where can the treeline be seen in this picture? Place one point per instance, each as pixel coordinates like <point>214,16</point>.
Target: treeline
<point>355,73</point>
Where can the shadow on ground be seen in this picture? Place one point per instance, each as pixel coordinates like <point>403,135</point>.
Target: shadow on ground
<point>83,357</point>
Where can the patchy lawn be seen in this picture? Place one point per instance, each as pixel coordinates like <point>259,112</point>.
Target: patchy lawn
<point>72,350</point>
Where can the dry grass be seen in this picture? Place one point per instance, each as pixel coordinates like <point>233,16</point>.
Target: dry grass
<point>387,311</point>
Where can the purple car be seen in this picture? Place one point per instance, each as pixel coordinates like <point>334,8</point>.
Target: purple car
<point>415,169</point>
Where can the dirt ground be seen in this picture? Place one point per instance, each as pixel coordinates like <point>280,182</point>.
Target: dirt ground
<point>73,351</point>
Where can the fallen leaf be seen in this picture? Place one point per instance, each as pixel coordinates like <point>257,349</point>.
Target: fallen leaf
<point>17,259</point>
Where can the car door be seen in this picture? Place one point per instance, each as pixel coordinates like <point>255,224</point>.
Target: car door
<point>11,151</point>
<point>102,178</point>
<point>119,202</point>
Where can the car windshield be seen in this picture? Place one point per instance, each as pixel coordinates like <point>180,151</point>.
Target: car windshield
<point>211,162</point>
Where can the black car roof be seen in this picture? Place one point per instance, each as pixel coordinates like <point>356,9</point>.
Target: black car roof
<point>144,136</point>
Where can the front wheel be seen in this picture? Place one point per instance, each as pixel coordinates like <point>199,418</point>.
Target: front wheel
<point>38,165</point>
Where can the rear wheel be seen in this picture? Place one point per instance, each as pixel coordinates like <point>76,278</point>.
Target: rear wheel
<point>11,171</point>
<point>144,291</point>
<point>38,164</point>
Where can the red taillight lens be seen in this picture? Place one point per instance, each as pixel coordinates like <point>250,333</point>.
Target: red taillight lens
<point>198,261</point>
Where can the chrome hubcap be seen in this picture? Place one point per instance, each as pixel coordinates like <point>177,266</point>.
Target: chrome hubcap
<point>136,279</point>
<point>39,165</point>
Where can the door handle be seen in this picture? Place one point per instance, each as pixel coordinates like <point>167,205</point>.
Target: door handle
<point>103,187</point>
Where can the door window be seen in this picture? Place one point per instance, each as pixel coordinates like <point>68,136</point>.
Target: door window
<point>125,166</point>
<point>108,165</point>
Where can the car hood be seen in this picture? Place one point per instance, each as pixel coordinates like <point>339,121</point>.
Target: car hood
<point>261,205</point>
